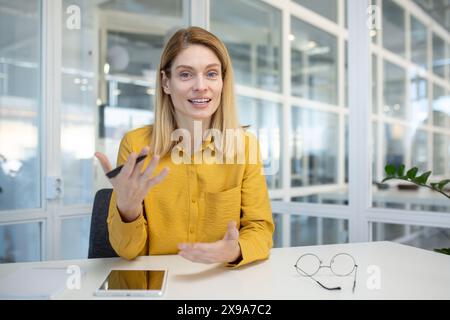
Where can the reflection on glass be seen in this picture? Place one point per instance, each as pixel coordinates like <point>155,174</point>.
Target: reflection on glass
<point>134,280</point>
<point>251,30</point>
<point>138,9</point>
<point>277,235</point>
<point>419,37</point>
<point>264,118</point>
<point>438,55</point>
<point>374,84</point>
<point>419,151</point>
<point>133,53</point>
<point>419,100</point>
<point>314,63</point>
<point>439,154</point>
<point>20,242</point>
<point>133,35</point>
<point>345,14</point>
<point>314,147</point>
<point>131,96</point>
<point>448,152</point>
<point>74,242</point>
<point>78,104</point>
<point>132,59</point>
<point>307,231</point>
<point>373,33</point>
<point>394,90</point>
<point>428,238</point>
<point>438,10</point>
<point>393,27</point>
<point>346,93</point>
<point>326,8</point>
<point>347,148</point>
<point>395,146</point>
<point>20,72</point>
<point>375,151</point>
<point>441,106</point>
<point>346,90</point>
<point>396,195</point>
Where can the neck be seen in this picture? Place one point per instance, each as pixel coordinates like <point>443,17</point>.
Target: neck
<point>193,126</point>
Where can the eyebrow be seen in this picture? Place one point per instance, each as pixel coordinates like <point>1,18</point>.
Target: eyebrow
<point>189,67</point>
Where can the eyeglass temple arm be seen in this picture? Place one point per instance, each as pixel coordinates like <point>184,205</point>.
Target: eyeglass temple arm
<point>325,287</point>
<point>354,279</point>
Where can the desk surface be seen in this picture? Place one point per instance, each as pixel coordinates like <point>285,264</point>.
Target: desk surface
<point>405,273</point>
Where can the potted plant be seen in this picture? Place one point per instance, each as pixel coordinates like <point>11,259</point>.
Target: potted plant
<point>392,172</point>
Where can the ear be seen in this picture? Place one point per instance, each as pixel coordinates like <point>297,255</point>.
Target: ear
<point>165,82</point>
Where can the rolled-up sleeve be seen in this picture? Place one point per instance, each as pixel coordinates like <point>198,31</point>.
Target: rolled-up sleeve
<point>128,239</point>
<point>257,227</point>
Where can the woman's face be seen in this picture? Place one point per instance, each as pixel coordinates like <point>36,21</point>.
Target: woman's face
<point>195,85</point>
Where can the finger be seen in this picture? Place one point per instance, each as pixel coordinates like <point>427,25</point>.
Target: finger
<point>151,167</point>
<point>138,167</point>
<point>203,248</point>
<point>202,253</point>
<point>184,246</point>
<point>190,248</point>
<point>187,256</point>
<point>144,151</point>
<point>160,177</point>
<point>195,257</point>
<point>128,167</point>
<point>232,232</point>
<point>104,162</point>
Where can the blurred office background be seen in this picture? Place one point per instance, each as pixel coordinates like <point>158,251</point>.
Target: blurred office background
<point>75,75</point>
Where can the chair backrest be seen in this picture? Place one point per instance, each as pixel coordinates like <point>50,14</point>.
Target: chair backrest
<point>99,245</point>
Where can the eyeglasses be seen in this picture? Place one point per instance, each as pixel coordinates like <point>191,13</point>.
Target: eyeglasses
<point>342,265</point>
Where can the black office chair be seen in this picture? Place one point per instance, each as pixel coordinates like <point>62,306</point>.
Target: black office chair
<point>99,245</point>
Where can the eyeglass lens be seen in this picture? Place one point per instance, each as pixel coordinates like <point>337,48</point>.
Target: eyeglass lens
<point>342,264</point>
<point>308,264</point>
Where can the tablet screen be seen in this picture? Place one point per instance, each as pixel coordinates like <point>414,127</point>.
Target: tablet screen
<point>134,280</point>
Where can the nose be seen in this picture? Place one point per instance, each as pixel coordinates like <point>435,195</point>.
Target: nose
<point>200,84</point>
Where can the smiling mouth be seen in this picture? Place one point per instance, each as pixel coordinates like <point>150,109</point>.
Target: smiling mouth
<point>200,102</point>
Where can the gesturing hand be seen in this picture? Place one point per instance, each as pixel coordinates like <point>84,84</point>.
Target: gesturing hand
<point>131,184</point>
<point>225,250</point>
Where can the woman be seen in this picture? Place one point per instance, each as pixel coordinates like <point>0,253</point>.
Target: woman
<point>206,212</point>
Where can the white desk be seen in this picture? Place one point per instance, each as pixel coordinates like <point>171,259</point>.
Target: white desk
<point>406,273</point>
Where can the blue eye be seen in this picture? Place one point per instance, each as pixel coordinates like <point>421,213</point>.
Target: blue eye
<point>184,75</point>
<point>212,74</point>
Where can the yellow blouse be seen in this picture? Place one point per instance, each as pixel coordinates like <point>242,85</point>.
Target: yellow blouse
<point>194,203</point>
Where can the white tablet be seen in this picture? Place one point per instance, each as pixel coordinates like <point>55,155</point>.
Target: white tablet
<point>134,283</point>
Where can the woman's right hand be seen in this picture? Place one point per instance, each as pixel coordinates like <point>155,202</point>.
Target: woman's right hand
<point>131,184</point>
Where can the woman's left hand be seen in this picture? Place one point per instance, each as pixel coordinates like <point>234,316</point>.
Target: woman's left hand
<point>225,250</point>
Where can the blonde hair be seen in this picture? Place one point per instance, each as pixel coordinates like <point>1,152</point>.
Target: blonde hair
<point>225,116</point>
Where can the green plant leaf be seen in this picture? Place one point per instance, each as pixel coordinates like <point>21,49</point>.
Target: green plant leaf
<point>442,183</point>
<point>390,169</point>
<point>422,179</point>
<point>412,173</point>
<point>401,170</point>
<point>443,250</point>
<point>434,185</point>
